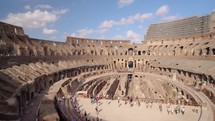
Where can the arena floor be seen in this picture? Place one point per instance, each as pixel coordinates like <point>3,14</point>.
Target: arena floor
<point>113,111</point>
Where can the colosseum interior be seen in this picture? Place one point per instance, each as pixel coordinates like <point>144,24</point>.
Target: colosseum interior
<point>47,80</point>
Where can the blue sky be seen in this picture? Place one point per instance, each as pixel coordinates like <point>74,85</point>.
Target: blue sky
<point>98,19</point>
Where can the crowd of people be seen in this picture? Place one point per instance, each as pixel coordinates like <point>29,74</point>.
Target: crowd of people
<point>170,108</point>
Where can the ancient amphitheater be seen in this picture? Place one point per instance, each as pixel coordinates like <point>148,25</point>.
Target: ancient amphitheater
<point>111,80</point>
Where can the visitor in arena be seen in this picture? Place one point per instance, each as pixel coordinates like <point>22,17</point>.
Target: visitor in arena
<point>151,103</point>
<point>97,110</point>
<point>160,107</point>
<point>183,110</point>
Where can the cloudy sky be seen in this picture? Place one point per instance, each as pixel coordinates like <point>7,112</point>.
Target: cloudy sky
<point>99,19</point>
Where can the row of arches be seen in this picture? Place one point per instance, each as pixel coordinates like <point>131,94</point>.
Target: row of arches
<point>28,91</point>
<point>42,49</point>
<point>199,81</point>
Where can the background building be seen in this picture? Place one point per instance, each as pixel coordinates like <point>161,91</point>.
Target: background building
<point>195,25</point>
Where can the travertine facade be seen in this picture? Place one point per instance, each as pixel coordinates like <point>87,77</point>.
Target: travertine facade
<point>29,66</point>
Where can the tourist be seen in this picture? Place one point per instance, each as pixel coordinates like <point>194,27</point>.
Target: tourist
<point>137,98</point>
<point>183,110</point>
<point>122,92</point>
<point>131,100</point>
<point>147,104</point>
<point>196,109</point>
<point>97,110</point>
<point>179,102</point>
<point>128,98</point>
<point>85,114</point>
<point>109,101</point>
<point>125,102</point>
<point>138,102</point>
<point>179,109</point>
<point>168,105</point>
<point>97,101</point>
<point>176,110</point>
<point>91,99</point>
<point>97,119</point>
<point>119,104</point>
<point>160,107</point>
<point>172,111</point>
<point>151,103</point>
<point>168,110</point>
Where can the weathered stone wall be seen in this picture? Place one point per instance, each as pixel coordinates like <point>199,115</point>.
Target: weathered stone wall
<point>30,65</point>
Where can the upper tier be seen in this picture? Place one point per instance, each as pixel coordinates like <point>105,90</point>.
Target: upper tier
<point>16,48</point>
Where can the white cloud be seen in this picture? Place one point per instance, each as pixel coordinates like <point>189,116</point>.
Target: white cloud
<point>27,7</point>
<point>85,32</point>
<point>134,36</point>
<point>46,6</point>
<point>34,19</point>
<point>130,35</point>
<point>49,31</point>
<point>170,18</point>
<point>107,24</point>
<point>162,10</point>
<point>123,21</point>
<point>122,3</point>
<point>63,11</point>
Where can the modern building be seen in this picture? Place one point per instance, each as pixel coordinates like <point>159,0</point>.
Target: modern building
<point>196,25</point>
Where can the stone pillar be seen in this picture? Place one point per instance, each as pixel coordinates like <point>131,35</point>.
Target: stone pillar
<point>198,83</point>
<point>174,77</point>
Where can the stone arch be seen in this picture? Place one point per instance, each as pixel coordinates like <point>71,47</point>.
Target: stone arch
<point>139,52</point>
<point>92,52</point>
<point>46,50</point>
<point>130,51</point>
<point>22,51</point>
<point>177,89</point>
<point>130,64</point>
<point>31,52</point>
<point>200,52</point>
<point>173,52</point>
<point>101,52</point>
<point>210,36</point>
<point>143,52</point>
<point>182,92</point>
<point>213,51</point>
<point>181,50</point>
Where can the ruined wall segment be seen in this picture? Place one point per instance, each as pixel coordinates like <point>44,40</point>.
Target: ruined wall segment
<point>86,41</point>
<point>29,65</point>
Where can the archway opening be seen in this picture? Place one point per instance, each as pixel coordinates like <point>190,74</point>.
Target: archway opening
<point>130,64</point>
<point>130,51</point>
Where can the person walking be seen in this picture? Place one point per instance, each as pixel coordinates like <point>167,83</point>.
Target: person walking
<point>97,110</point>
<point>183,110</point>
<point>160,107</point>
